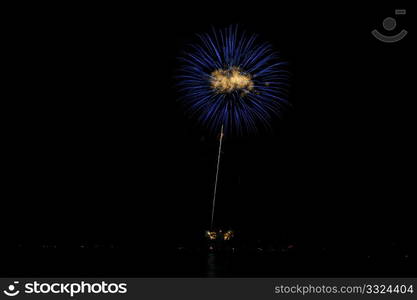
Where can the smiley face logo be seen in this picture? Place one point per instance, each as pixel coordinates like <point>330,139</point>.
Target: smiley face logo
<point>389,25</point>
<point>12,290</point>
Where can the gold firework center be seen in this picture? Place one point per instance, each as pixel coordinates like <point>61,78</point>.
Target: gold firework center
<point>230,80</point>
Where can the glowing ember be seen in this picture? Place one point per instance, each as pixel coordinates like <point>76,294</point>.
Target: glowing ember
<point>228,235</point>
<point>211,235</point>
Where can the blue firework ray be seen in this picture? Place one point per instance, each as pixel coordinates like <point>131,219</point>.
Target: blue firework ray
<point>228,78</point>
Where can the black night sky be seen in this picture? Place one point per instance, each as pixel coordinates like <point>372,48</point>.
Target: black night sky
<point>106,175</point>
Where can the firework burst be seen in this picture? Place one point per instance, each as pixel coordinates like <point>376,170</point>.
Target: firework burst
<point>230,79</point>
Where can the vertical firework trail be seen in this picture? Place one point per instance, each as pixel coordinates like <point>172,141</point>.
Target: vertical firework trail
<point>217,176</point>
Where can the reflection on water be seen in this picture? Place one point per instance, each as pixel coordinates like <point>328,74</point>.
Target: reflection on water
<point>212,268</point>
<point>218,264</point>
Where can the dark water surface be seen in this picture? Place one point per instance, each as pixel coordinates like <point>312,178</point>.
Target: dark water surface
<point>186,262</point>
